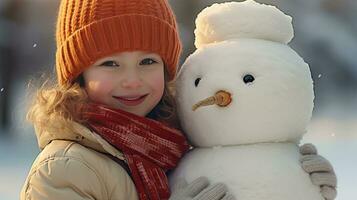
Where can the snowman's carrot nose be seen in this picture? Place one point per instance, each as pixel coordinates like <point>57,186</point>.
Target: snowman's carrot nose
<point>221,98</point>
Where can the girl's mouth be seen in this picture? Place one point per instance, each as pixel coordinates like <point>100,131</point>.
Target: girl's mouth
<point>131,100</point>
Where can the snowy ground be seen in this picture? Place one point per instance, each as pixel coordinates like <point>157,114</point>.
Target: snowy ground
<point>333,131</point>
<point>16,157</point>
<point>340,151</point>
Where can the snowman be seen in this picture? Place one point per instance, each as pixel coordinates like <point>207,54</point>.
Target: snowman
<point>245,99</point>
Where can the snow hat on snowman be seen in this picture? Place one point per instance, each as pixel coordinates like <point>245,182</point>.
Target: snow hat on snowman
<point>247,19</point>
<point>244,84</point>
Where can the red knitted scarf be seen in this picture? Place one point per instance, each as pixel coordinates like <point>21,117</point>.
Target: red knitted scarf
<point>150,147</point>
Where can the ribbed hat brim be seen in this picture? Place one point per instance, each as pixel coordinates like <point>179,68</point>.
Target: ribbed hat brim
<point>114,35</point>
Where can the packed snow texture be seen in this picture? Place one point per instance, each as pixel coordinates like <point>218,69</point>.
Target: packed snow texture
<point>247,19</point>
<point>252,172</point>
<point>276,107</point>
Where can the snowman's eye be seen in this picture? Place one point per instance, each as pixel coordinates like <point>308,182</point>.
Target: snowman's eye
<point>248,78</point>
<point>197,81</point>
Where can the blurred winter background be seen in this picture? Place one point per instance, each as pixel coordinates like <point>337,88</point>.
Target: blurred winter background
<point>325,35</point>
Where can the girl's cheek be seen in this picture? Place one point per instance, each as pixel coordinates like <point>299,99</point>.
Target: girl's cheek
<point>157,82</point>
<point>98,89</point>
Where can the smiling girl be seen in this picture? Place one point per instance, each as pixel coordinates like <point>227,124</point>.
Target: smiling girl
<point>107,127</point>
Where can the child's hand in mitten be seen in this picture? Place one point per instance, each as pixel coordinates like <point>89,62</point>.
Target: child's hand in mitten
<point>200,189</point>
<point>320,170</point>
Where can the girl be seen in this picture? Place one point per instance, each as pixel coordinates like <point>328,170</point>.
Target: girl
<point>107,128</point>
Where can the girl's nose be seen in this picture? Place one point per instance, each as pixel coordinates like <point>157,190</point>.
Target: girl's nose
<point>131,80</point>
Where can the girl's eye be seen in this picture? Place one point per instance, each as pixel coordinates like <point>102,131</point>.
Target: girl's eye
<point>248,78</point>
<point>197,81</point>
<point>147,61</point>
<point>109,64</point>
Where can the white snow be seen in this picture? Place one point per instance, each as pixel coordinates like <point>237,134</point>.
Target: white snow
<point>252,172</point>
<point>277,106</point>
<point>247,19</point>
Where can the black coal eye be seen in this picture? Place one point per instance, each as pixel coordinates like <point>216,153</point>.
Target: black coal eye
<point>248,78</point>
<point>197,81</point>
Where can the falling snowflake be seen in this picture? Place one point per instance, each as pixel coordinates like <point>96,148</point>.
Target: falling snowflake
<point>34,45</point>
<point>319,76</point>
<point>2,89</point>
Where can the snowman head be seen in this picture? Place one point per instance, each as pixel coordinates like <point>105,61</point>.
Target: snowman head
<point>244,84</point>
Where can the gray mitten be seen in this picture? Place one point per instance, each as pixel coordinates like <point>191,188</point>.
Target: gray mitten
<point>200,189</point>
<point>320,170</point>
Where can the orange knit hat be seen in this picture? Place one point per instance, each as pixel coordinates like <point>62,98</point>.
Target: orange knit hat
<point>88,30</point>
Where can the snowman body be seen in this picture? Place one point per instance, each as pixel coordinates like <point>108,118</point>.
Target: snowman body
<point>252,172</point>
<point>251,143</point>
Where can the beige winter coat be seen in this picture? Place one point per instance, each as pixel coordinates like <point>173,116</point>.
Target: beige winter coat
<point>74,165</point>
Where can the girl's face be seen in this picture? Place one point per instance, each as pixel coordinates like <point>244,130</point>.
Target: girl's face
<point>131,81</point>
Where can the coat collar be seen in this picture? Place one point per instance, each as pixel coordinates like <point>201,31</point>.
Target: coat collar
<point>79,134</point>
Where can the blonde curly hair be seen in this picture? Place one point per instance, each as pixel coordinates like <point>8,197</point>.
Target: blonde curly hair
<point>63,103</point>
